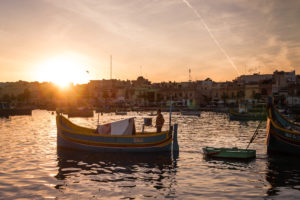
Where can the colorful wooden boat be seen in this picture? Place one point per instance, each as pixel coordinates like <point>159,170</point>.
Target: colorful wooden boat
<point>230,153</point>
<point>247,115</point>
<point>283,135</point>
<point>72,136</point>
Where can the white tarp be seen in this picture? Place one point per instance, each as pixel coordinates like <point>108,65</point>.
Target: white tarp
<point>122,127</point>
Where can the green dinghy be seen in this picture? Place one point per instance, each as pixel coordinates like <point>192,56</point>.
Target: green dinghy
<point>231,153</point>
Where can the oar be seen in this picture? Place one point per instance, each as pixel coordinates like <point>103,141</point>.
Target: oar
<point>254,135</point>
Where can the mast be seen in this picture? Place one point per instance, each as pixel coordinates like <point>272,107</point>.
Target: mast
<point>110,67</point>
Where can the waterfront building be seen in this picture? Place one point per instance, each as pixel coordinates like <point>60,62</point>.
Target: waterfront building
<point>254,78</point>
<point>111,90</point>
<point>252,92</point>
<point>265,88</point>
<point>281,80</point>
<point>284,86</point>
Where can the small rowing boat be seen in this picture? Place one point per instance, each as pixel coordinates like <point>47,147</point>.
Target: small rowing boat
<point>231,153</point>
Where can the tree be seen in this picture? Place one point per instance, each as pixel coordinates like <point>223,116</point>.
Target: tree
<point>159,97</point>
<point>26,94</point>
<point>257,96</point>
<point>105,94</point>
<point>206,99</point>
<point>264,91</point>
<point>282,100</point>
<point>126,94</point>
<point>224,97</point>
<point>6,98</point>
<point>13,97</point>
<point>150,96</point>
<point>113,94</point>
<point>240,95</point>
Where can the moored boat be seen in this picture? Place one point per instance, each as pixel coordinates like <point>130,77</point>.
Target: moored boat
<point>80,112</point>
<point>283,136</point>
<point>152,114</point>
<point>230,153</point>
<point>191,113</point>
<point>120,113</point>
<point>6,110</point>
<point>107,138</point>
<point>247,115</point>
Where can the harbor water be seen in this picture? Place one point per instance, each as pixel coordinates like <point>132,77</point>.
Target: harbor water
<point>31,166</point>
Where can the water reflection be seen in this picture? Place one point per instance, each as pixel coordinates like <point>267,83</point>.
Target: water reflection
<point>32,168</point>
<point>283,173</point>
<point>143,174</point>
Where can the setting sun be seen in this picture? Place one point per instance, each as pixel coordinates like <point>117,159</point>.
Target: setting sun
<point>62,70</point>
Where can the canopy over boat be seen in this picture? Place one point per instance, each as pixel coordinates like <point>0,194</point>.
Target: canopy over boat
<point>283,135</point>
<point>117,136</point>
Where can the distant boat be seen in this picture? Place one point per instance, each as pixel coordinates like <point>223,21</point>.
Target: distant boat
<point>283,135</point>
<point>231,153</point>
<point>191,113</point>
<point>120,113</point>
<point>6,110</point>
<point>247,115</point>
<point>116,136</point>
<point>80,112</point>
<point>152,114</point>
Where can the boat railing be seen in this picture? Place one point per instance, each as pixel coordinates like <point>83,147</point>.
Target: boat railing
<point>62,122</point>
<point>279,126</point>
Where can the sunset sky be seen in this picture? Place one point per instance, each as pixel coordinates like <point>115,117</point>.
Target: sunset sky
<point>44,40</point>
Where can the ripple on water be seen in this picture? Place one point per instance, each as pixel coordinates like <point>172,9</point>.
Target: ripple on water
<point>33,168</point>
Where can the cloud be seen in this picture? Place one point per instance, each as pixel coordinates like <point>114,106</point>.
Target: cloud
<point>165,37</point>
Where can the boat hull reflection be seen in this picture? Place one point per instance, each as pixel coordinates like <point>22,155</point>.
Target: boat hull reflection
<point>116,168</point>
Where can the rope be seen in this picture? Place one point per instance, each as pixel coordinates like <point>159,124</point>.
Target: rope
<point>254,135</point>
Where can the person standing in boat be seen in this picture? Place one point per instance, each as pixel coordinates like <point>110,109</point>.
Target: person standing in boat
<point>159,121</point>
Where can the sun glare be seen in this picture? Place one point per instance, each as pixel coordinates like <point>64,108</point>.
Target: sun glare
<point>62,70</point>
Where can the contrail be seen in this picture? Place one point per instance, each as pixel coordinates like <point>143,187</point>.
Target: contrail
<point>212,35</point>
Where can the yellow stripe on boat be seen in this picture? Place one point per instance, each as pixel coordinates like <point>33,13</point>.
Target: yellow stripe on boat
<point>104,144</point>
<point>280,128</point>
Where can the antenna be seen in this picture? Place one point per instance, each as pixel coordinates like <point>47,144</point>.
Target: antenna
<point>110,67</point>
<point>190,77</point>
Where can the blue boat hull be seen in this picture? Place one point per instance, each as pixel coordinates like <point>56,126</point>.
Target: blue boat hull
<point>65,144</point>
<point>279,141</point>
<point>283,136</point>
